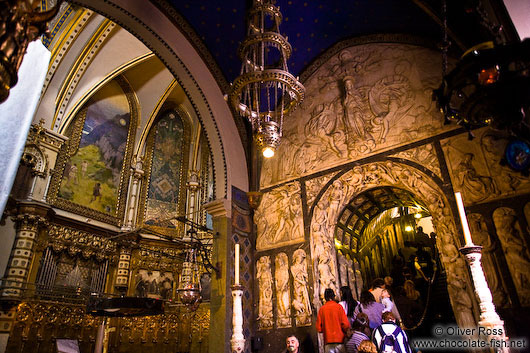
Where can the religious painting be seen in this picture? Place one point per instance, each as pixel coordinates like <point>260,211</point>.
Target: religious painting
<point>95,159</point>
<point>167,158</point>
<point>154,284</point>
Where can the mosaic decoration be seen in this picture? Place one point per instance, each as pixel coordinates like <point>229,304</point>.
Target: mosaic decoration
<point>166,172</point>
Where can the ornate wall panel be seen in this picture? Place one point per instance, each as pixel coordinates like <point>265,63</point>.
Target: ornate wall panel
<point>476,170</point>
<point>279,218</point>
<point>365,99</point>
<point>38,324</point>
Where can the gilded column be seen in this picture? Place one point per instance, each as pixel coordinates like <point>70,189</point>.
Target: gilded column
<point>122,276</point>
<point>137,176</point>
<point>193,185</point>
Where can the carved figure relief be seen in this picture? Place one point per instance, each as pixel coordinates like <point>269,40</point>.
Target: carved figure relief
<point>264,275</point>
<point>343,269</point>
<point>301,301</point>
<point>511,237</point>
<point>313,187</point>
<point>481,237</point>
<point>279,218</point>
<point>283,289</point>
<point>370,97</point>
<point>424,155</point>
<point>460,299</point>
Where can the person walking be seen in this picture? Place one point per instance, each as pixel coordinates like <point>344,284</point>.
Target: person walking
<point>389,337</point>
<point>333,323</point>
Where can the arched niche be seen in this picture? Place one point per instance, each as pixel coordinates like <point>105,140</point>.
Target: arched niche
<point>160,33</point>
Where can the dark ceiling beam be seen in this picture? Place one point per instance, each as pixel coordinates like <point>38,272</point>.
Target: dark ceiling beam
<point>429,11</point>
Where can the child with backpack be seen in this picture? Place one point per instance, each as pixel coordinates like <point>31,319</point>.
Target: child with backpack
<point>389,337</point>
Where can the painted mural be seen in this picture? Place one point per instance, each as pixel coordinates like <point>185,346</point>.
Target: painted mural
<point>92,175</point>
<point>166,172</point>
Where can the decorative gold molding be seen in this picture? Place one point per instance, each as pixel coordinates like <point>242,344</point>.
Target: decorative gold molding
<point>78,68</point>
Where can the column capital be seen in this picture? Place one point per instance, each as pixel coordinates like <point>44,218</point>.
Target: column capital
<point>219,208</point>
<point>33,214</point>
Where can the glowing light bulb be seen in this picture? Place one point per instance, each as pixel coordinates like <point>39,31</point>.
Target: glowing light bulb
<point>268,152</point>
<point>417,215</point>
<point>408,229</point>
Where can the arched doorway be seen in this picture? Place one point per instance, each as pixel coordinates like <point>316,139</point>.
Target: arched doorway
<point>382,230</point>
<point>430,195</point>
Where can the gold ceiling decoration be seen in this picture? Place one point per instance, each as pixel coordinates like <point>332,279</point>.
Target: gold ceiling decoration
<point>265,92</point>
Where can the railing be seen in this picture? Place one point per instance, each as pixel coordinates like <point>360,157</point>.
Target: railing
<point>11,289</point>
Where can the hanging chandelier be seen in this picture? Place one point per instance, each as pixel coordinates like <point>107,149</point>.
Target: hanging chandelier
<point>265,92</point>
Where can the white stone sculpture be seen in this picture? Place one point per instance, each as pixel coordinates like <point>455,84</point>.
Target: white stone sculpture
<point>301,301</point>
<point>481,237</point>
<point>283,289</point>
<point>510,235</point>
<point>264,276</point>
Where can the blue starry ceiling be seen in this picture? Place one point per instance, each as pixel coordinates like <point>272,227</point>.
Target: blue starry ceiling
<point>314,26</point>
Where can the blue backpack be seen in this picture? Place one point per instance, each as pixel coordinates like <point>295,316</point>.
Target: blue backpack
<point>392,341</point>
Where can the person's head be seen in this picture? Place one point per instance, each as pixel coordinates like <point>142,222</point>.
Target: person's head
<point>366,346</point>
<point>361,322</point>
<point>378,283</point>
<point>367,297</point>
<point>420,229</point>
<point>292,344</point>
<point>385,293</point>
<point>388,281</point>
<point>408,285</point>
<point>388,317</point>
<point>329,294</point>
<point>345,294</point>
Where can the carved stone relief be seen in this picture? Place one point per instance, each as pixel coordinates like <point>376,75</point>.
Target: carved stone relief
<point>283,289</point>
<point>279,218</point>
<point>378,174</point>
<point>475,167</point>
<point>424,155</point>
<point>511,237</point>
<point>479,232</point>
<point>313,187</point>
<point>343,269</point>
<point>301,301</point>
<point>365,99</point>
<point>264,275</point>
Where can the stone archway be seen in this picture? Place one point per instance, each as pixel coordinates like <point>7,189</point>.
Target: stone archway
<point>344,187</point>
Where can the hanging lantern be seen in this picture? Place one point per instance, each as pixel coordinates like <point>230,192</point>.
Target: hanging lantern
<point>189,289</point>
<point>265,92</point>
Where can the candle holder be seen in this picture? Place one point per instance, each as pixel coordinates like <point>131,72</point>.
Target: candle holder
<point>237,342</point>
<point>488,316</point>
